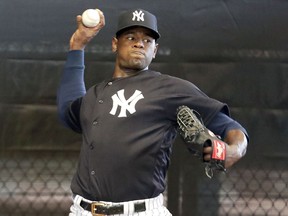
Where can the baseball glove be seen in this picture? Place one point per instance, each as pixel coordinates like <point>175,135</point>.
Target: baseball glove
<point>197,136</point>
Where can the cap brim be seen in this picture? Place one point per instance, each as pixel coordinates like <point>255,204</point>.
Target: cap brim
<point>155,34</point>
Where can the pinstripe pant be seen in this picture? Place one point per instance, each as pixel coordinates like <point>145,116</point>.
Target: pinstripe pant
<point>154,207</point>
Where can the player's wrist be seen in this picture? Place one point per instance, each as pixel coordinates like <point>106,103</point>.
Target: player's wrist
<point>232,155</point>
<point>77,45</point>
<point>78,42</point>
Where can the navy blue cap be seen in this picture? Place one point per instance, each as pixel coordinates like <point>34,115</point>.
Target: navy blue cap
<point>138,17</point>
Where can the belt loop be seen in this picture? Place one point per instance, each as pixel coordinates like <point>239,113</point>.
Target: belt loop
<point>148,204</point>
<point>77,199</point>
<point>128,208</point>
<point>159,200</point>
<point>131,207</point>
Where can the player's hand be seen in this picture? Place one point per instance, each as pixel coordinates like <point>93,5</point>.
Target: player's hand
<point>83,35</point>
<point>207,151</point>
<point>231,155</point>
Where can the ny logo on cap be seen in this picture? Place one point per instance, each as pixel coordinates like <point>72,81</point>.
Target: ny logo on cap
<point>139,15</point>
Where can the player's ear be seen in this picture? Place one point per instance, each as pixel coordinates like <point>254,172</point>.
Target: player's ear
<point>155,50</point>
<point>114,44</point>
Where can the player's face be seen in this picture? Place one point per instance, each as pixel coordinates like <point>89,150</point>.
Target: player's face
<point>135,49</point>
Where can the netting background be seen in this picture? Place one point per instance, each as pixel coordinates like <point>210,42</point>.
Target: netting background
<point>38,183</point>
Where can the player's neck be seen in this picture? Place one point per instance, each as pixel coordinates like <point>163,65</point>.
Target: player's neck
<point>120,73</point>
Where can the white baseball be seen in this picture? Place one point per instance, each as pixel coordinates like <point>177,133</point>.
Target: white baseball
<point>90,18</point>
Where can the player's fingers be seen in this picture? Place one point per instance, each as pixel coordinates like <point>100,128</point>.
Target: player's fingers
<point>79,20</point>
<point>207,150</point>
<point>207,157</point>
<point>102,17</point>
<point>99,11</point>
<point>207,153</point>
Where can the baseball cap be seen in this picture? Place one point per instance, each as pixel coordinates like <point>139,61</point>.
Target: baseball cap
<point>137,17</point>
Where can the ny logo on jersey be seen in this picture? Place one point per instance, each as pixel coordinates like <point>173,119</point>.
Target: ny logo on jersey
<point>126,105</point>
<point>139,15</point>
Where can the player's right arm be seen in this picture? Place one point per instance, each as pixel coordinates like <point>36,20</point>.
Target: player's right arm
<point>71,90</point>
<point>72,86</point>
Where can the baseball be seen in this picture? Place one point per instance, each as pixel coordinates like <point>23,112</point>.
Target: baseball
<point>90,18</point>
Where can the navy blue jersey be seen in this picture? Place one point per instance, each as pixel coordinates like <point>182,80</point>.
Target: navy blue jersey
<point>128,127</point>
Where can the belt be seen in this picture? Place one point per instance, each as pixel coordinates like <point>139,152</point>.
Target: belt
<point>100,208</point>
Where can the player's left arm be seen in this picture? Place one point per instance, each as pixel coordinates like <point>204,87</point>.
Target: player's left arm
<point>236,148</point>
<point>233,134</point>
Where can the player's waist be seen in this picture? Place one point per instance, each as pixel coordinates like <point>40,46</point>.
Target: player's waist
<point>111,208</point>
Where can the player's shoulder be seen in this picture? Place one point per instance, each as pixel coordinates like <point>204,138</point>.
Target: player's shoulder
<point>167,78</point>
<point>94,88</point>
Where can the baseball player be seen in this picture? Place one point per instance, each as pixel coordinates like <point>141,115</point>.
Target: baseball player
<point>129,122</point>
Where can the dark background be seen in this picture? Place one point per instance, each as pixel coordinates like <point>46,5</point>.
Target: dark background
<point>234,50</point>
